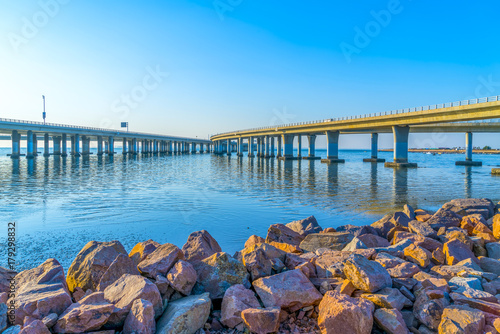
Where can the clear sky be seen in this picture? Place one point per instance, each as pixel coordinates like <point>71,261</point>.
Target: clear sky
<point>196,68</point>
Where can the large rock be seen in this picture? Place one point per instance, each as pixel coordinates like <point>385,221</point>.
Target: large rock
<point>372,240</point>
<point>305,226</point>
<point>236,299</point>
<point>493,308</point>
<point>461,319</point>
<point>257,264</point>
<point>422,228</point>
<point>493,249</point>
<point>160,261</point>
<point>142,249</point>
<point>333,240</point>
<point>339,313</point>
<point>40,291</point>
<point>262,321</point>
<point>254,240</point>
<point>141,318</point>
<point>457,251</point>
<point>124,291</point>
<point>199,246</point>
<point>217,273</point>
<point>5,276</point>
<point>185,315</point>
<point>182,277</point>
<point>390,320</point>
<point>470,206</point>
<point>418,255</point>
<point>89,314</point>
<point>281,233</point>
<point>34,327</point>
<point>427,310</point>
<point>496,226</point>
<point>384,225</point>
<point>91,263</point>
<point>444,218</point>
<point>388,298</point>
<point>489,265</point>
<point>289,290</point>
<point>120,266</point>
<point>366,275</point>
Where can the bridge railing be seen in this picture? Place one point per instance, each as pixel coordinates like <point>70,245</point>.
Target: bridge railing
<point>386,113</point>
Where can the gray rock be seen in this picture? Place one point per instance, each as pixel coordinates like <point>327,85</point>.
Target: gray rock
<point>490,265</point>
<point>446,218</point>
<point>121,265</point>
<point>305,226</point>
<point>469,206</point>
<point>185,315</point>
<point>332,240</point>
<point>422,228</point>
<point>469,282</point>
<point>366,275</point>
<point>493,249</point>
<point>354,245</point>
<point>390,320</point>
<point>461,319</point>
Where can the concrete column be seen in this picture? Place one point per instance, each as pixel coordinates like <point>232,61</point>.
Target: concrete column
<point>287,147</point>
<point>85,145</point>
<point>299,146</point>
<point>468,153</point>
<point>312,148</point>
<point>46,151</point>
<point>56,142</point>
<point>111,141</point>
<point>35,145</point>
<point>266,147</point>
<point>106,147</point>
<point>76,151</point>
<point>280,149</point>
<point>99,145</point>
<point>16,145</point>
<point>332,147</point>
<point>401,134</point>
<point>29,140</point>
<point>374,149</point>
<point>124,146</point>
<point>240,147</point>
<point>259,147</point>
<point>133,147</point>
<point>271,150</point>
<point>229,147</point>
<point>64,145</point>
<point>250,147</point>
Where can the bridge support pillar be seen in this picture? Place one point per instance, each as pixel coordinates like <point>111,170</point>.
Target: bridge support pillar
<point>299,146</point>
<point>111,144</point>
<point>133,147</point>
<point>75,145</point>
<point>29,139</point>
<point>124,145</point>
<point>374,150</point>
<point>287,147</point>
<point>229,147</point>
<point>99,146</point>
<point>16,145</point>
<point>279,152</point>
<point>267,154</point>
<point>250,147</point>
<point>46,151</point>
<point>85,145</point>
<point>271,152</point>
<point>35,145</point>
<point>468,153</point>
<point>240,147</point>
<point>332,148</point>
<point>312,148</point>
<point>106,147</point>
<point>401,134</point>
<point>64,145</point>
<point>56,142</point>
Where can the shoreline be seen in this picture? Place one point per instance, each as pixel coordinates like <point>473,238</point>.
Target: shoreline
<point>387,276</point>
<point>444,151</point>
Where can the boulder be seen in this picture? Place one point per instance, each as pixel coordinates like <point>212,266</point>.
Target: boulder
<point>185,315</point>
<point>142,249</point>
<point>422,228</point>
<point>262,321</point>
<point>403,270</point>
<point>257,263</point>
<point>339,313</point>
<point>493,249</point>
<point>470,206</point>
<point>89,314</point>
<point>372,240</point>
<point>281,233</point>
<point>457,251</point>
<point>334,241</point>
<point>254,240</point>
<point>34,327</point>
<point>236,299</point>
<point>418,255</point>
<point>199,246</point>
<point>141,318</point>
<point>40,292</point>
<point>124,291</point>
<point>366,275</point>
<point>160,261</point>
<point>182,277</point>
<point>121,265</point>
<point>485,306</point>
<point>305,226</point>
<point>496,226</point>
<point>290,290</point>
<point>50,320</point>
<point>428,311</point>
<point>354,245</point>
<point>356,230</point>
<point>3,317</point>
<point>388,298</point>
<point>384,226</point>
<point>489,265</point>
<point>287,248</point>
<point>217,273</point>
<point>390,320</point>
<point>5,276</point>
<point>445,218</point>
<point>91,263</point>
<point>461,319</point>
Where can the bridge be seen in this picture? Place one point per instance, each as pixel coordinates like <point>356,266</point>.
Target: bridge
<point>132,142</point>
<point>463,116</point>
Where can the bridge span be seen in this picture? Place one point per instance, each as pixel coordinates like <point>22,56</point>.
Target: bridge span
<point>132,142</point>
<point>463,116</point>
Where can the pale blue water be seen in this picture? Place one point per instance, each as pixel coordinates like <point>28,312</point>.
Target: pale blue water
<point>61,204</point>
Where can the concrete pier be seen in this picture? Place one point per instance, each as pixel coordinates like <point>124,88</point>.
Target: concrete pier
<point>468,153</point>
<point>240,147</point>
<point>374,150</point>
<point>287,148</point>
<point>99,146</point>
<point>85,146</point>
<point>29,151</point>
<point>46,151</point>
<point>250,147</point>
<point>267,147</point>
<point>312,149</point>
<point>332,148</point>
<point>64,145</point>
<point>111,143</point>
<point>401,134</point>
<point>124,146</point>
<point>228,147</point>
<point>75,148</point>
<point>271,152</point>
<point>280,149</point>
<point>56,143</point>
<point>16,145</point>
<point>35,145</point>
<point>299,146</point>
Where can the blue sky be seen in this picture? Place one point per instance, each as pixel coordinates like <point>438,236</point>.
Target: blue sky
<point>196,68</point>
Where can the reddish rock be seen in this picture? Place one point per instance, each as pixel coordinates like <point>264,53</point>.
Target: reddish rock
<point>262,321</point>
<point>281,233</point>
<point>143,249</point>
<point>422,228</point>
<point>461,319</point>
<point>334,241</point>
<point>236,299</point>
<point>390,320</point>
<point>160,261</point>
<point>339,313</point>
<point>384,225</point>
<point>257,264</point>
<point>428,311</point>
<point>470,206</point>
<point>305,226</point>
<point>254,240</point>
<point>199,246</point>
<point>388,298</point>
<point>366,275</point>
<point>141,318</point>
<point>493,308</point>
<point>346,288</point>
<point>287,248</point>
<point>121,265</point>
<point>373,241</point>
<point>496,226</point>
<point>456,251</point>
<point>418,255</point>
<point>182,277</point>
<point>289,290</point>
<point>445,218</point>
<point>403,270</point>
<point>34,327</point>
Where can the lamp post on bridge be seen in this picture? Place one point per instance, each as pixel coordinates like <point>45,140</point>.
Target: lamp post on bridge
<point>44,114</point>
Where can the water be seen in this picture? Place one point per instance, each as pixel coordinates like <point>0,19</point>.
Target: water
<point>61,204</point>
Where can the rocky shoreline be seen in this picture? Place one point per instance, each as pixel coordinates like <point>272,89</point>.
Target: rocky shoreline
<point>410,272</point>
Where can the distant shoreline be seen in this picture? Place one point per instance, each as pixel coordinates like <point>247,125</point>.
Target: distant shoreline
<point>445,151</point>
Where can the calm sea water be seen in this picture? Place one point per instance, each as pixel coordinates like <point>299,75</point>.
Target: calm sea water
<point>61,204</point>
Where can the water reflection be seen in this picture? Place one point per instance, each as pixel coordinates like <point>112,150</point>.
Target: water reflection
<point>400,187</point>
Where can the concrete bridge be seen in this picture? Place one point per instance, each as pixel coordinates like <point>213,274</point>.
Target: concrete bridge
<point>80,139</point>
<point>463,116</point>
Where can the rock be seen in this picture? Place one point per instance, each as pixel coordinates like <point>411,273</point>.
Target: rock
<point>254,240</point>
<point>162,284</point>
<point>346,288</point>
<point>366,275</point>
<point>236,299</point>
<point>185,315</point>
<point>354,245</point>
<point>5,276</point>
<point>142,249</point>
<point>160,261</point>
<point>289,290</point>
<point>403,270</point>
<point>390,320</point>
<point>281,233</point>
<point>357,230</point>
<point>141,318</point>
<point>3,317</point>
<point>121,265</point>
<point>287,248</point>
<point>493,308</point>
<point>466,282</point>
<point>408,211</point>
<point>428,311</point>
<point>421,228</point>
<point>13,330</point>
<point>372,241</point>
<point>91,263</point>
<point>50,320</point>
<point>470,206</point>
<point>305,226</point>
<point>340,313</point>
<point>418,255</point>
<point>217,273</point>
<point>262,321</point>
<point>182,277</point>
<point>493,249</point>
<point>199,246</point>
<point>446,218</point>
<point>40,291</point>
<point>257,263</point>
<point>388,298</point>
<point>496,226</point>
<point>34,327</point>
<point>489,265</point>
<point>334,241</point>
<point>457,251</point>
<point>461,319</point>
<point>124,291</point>
<point>89,314</point>
<point>384,225</point>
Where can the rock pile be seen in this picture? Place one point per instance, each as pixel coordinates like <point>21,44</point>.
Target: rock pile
<point>411,271</point>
